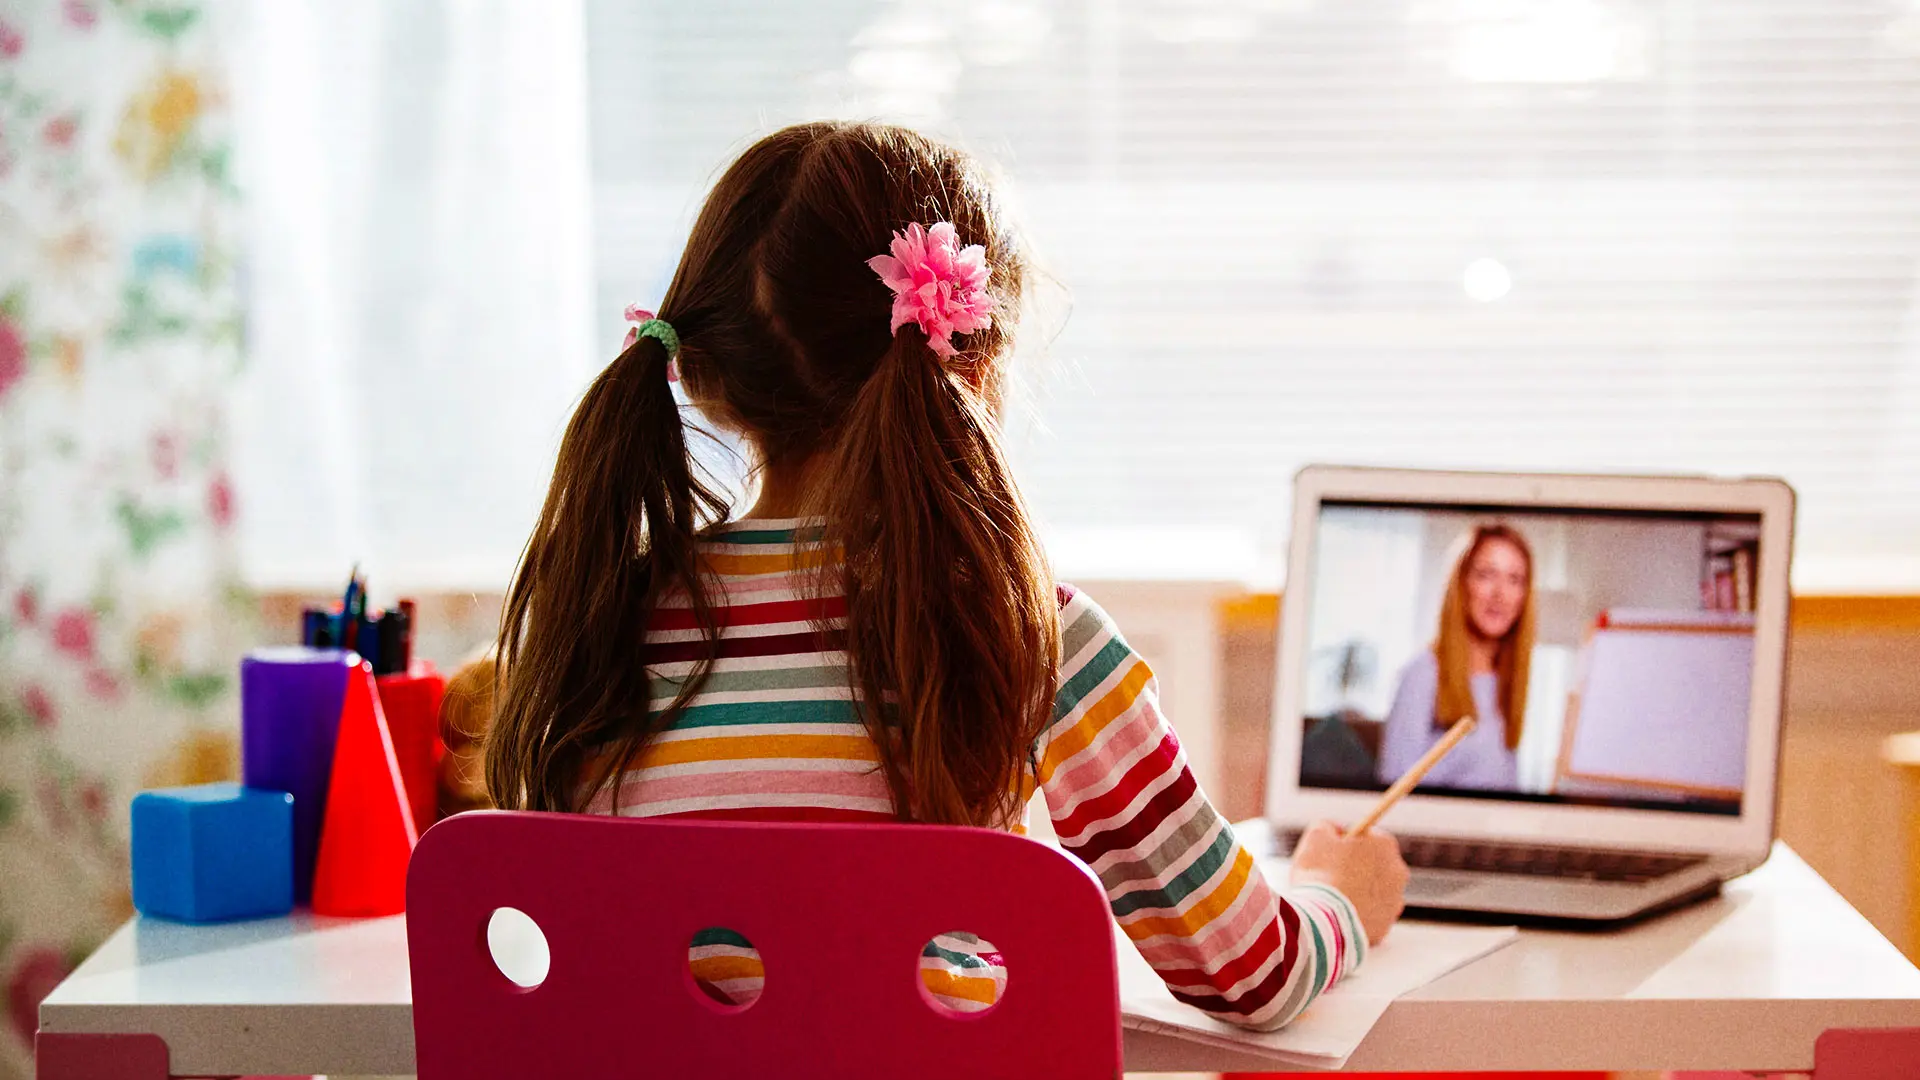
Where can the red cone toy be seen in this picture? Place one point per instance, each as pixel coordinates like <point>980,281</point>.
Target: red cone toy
<point>368,834</point>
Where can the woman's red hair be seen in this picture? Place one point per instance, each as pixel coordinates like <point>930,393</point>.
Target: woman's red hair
<point>1452,646</point>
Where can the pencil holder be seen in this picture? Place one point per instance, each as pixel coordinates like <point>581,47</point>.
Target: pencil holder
<point>411,702</point>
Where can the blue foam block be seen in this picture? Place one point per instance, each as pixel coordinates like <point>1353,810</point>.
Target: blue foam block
<point>213,852</point>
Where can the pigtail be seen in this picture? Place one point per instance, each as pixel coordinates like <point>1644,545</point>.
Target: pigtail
<point>616,534</point>
<point>953,630</point>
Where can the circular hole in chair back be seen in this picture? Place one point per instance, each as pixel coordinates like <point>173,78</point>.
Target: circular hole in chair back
<point>518,947</point>
<point>962,974</point>
<point>725,968</point>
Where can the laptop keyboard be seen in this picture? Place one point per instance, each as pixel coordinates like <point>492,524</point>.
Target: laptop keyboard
<point>1537,860</point>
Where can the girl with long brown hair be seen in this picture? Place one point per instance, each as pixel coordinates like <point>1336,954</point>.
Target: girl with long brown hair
<point>879,637</point>
<point>1478,666</point>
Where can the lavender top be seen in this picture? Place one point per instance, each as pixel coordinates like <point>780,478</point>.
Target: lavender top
<point>1481,761</point>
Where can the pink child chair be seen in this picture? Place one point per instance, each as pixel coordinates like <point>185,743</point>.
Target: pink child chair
<point>839,914</point>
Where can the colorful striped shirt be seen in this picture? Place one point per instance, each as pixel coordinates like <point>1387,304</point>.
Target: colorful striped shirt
<point>774,734</point>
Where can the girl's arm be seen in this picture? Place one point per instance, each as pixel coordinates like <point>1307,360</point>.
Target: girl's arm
<point>1192,899</point>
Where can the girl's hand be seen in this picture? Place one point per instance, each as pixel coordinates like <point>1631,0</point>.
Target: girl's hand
<point>1367,869</point>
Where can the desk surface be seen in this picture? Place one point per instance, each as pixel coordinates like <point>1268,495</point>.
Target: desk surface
<point>1747,980</point>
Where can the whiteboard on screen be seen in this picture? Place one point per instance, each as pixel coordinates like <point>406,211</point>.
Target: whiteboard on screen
<point>1663,707</point>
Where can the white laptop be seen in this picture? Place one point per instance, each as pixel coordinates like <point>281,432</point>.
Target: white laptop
<point>1634,628</point>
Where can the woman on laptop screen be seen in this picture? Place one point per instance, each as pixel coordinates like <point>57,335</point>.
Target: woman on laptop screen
<point>1478,666</point>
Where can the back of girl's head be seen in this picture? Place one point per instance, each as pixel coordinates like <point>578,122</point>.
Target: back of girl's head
<point>784,335</point>
<point>780,318</point>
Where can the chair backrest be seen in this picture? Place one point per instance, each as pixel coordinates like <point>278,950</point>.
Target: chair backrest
<point>839,914</point>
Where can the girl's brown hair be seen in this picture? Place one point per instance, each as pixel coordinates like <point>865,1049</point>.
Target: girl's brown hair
<point>1512,662</point>
<point>952,626</point>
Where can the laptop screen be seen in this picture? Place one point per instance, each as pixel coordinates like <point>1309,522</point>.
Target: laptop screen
<point>1607,655</point>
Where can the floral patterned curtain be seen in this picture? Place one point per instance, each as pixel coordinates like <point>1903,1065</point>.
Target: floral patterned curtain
<point>121,615</point>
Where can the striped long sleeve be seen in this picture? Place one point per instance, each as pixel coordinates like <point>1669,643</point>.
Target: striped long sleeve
<point>1185,891</point>
<point>774,735</point>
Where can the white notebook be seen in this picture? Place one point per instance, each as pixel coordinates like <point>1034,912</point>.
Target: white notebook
<point>1330,1030</point>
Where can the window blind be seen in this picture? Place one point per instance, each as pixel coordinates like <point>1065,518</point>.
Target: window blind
<point>1529,234</point>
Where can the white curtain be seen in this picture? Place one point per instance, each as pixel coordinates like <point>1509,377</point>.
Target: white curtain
<point>419,283</point>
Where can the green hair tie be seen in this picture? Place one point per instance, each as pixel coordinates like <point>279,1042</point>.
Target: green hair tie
<point>658,329</point>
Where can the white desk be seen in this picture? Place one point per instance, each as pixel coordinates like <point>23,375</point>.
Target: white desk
<point>1745,981</point>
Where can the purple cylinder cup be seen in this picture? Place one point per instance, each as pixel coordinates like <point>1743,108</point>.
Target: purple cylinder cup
<point>290,701</point>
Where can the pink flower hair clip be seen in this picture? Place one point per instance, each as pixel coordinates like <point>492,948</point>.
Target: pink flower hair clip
<point>937,285</point>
